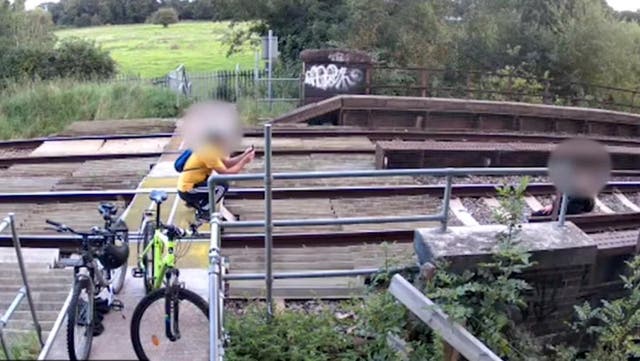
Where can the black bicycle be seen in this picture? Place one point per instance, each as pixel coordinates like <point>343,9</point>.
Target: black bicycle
<point>120,233</point>
<point>98,254</point>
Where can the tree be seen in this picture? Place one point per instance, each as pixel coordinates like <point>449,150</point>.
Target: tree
<point>165,16</point>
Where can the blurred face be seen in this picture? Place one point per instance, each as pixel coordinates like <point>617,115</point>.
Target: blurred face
<point>209,123</point>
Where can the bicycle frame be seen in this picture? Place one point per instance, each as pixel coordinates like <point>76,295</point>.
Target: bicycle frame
<point>164,257</point>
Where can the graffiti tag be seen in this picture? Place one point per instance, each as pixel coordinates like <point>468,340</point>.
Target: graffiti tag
<point>332,77</point>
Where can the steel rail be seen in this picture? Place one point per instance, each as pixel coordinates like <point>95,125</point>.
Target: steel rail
<point>5,162</point>
<point>590,223</point>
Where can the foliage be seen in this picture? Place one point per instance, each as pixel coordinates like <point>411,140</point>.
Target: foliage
<point>151,51</point>
<point>81,13</point>
<point>164,16</point>
<point>29,51</point>
<point>485,300</point>
<point>22,346</point>
<point>611,327</point>
<point>253,112</point>
<point>43,108</point>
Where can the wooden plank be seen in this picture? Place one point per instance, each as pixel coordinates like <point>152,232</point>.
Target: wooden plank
<point>461,212</point>
<point>533,203</point>
<point>627,202</point>
<point>603,207</point>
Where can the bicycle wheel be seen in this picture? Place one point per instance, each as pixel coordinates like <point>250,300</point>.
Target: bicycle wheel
<point>118,275</point>
<point>148,328</point>
<point>147,259</point>
<point>80,319</point>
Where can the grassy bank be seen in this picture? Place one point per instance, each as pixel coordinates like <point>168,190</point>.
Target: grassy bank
<point>151,50</point>
<point>44,108</point>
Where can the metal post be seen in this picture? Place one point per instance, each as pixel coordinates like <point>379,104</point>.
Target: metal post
<point>563,210</point>
<point>269,67</point>
<point>23,272</point>
<point>268,223</point>
<point>445,204</point>
<point>215,346</point>
<point>7,352</point>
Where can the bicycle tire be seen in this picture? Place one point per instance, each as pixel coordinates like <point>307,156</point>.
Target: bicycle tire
<point>147,259</point>
<point>148,300</point>
<point>118,275</point>
<point>75,309</point>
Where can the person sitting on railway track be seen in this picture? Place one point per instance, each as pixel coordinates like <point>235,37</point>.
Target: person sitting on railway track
<point>575,205</point>
<point>211,157</point>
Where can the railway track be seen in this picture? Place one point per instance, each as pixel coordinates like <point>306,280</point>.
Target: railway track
<point>590,223</point>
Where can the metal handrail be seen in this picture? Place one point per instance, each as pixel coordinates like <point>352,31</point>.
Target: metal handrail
<point>453,333</point>
<point>216,268</point>
<point>24,292</point>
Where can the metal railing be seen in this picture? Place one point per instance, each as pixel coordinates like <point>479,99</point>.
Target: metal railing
<point>217,268</point>
<point>24,292</point>
<point>454,334</point>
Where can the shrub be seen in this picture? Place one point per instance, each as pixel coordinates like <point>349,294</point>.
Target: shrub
<point>165,16</point>
<point>83,59</point>
<point>44,108</point>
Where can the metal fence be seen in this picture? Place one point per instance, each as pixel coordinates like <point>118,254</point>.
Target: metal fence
<point>24,292</point>
<point>217,267</point>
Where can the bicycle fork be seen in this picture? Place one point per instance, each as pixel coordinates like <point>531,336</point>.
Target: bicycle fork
<point>172,307</point>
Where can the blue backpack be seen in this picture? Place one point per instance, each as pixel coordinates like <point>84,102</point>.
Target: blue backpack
<point>182,160</point>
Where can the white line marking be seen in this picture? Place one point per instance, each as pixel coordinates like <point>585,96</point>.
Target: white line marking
<point>533,203</point>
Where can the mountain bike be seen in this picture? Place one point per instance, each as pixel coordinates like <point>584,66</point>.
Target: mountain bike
<point>171,313</point>
<point>150,250</point>
<point>89,280</point>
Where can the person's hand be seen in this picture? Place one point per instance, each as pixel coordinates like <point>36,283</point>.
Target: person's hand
<point>547,210</point>
<point>249,150</point>
<point>250,156</point>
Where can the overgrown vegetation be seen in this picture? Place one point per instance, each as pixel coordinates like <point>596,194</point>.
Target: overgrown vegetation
<point>570,41</point>
<point>29,51</point>
<point>43,108</point>
<point>22,346</point>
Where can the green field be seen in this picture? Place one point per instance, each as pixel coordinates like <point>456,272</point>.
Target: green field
<point>151,50</point>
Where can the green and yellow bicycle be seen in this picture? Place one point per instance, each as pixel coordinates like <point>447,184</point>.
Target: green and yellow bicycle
<point>170,322</point>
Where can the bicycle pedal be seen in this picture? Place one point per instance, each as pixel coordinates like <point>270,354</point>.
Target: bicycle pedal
<point>137,272</point>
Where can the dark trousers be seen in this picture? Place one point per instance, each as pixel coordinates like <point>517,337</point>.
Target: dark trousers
<point>198,197</point>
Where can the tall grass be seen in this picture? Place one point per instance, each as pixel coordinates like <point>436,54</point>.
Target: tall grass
<point>43,108</point>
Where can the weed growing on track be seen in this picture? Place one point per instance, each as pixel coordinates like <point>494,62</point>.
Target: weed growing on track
<point>44,108</point>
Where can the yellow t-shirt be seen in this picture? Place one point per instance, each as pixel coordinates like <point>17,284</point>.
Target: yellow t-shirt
<point>199,167</point>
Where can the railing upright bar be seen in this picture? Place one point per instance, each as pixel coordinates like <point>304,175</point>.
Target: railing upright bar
<point>25,281</point>
<point>215,327</point>
<point>446,200</point>
<point>563,210</point>
<point>268,223</point>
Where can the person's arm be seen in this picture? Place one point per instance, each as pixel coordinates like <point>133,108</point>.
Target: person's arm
<point>237,167</point>
<point>230,162</point>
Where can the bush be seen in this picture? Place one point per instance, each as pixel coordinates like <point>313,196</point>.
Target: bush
<point>43,108</point>
<point>72,58</point>
<point>164,16</point>
<point>83,59</point>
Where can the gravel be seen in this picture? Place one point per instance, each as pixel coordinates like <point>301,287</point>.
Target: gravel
<point>634,197</point>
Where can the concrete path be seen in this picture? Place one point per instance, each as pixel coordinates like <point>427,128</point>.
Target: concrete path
<point>115,343</point>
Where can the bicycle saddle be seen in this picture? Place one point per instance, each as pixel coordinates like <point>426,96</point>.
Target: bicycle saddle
<point>158,196</point>
<point>107,209</point>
